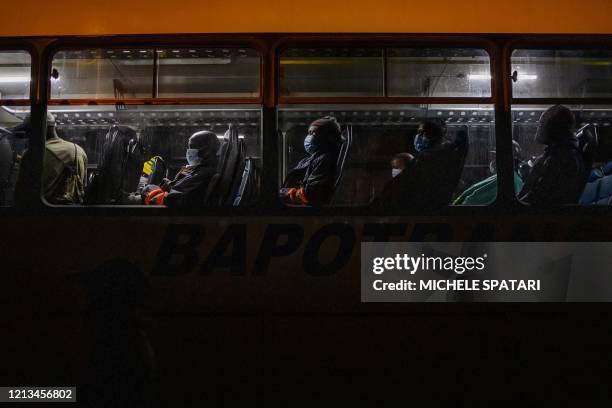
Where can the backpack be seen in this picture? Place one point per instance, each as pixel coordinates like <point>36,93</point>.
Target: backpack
<point>68,187</point>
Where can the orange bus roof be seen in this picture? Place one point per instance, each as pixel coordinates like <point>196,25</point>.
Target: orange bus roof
<point>101,17</point>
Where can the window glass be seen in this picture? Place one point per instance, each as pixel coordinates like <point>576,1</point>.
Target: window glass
<point>208,72</point>
<point>13,144</point>
<point>160,134</point>
<point>556,164</point>
<point>441,173</point>
<point>15,75</point>
<point>438,72</point>
<point>562,73</point>
<point>331,72</point>
<point>103,73</point>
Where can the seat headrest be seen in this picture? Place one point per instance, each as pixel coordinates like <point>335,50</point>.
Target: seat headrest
<point>607,168</point>
<point>595,174</point>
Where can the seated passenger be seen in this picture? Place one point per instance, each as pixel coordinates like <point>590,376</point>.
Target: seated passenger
<point>389,197</point>
<point>484,192</point>
<point>437,167</point>
<point>64,173</point>
<point>189,186</point>
<point>312,180</point>
<point>558,175</point>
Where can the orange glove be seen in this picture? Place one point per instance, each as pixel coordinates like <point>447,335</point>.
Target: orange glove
<point>297,196</point>
<point>156,197</point>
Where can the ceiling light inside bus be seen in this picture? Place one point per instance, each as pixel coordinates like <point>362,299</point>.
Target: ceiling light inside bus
<point>488,77</point>
<point>14,80</point>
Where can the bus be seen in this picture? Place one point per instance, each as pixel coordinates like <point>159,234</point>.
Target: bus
<point>256,301</point>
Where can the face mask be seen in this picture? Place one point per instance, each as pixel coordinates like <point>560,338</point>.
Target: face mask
<point>420,142</point>
<point>308,144</point>
<point>395,172</point>
<point>192,157</point>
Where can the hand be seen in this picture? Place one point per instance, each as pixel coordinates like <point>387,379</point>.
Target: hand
<point>165,185</point>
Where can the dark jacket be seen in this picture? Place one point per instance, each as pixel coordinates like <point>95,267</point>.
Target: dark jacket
<point>558,176</point>
<point>434,176</point>
<point>189,187</point>
<point>316,175</point>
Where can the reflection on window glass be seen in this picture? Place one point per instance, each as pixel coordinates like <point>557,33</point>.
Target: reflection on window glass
<point>182,157</point>
<point>210,72</point>
<point>15,75</point>
<point>331,72</point>
<point>562,73</point>
<point>401,156</point>
<point>438,72</point>
<point>13,144</point>
<point>563,155</point>
<point>103,73</point>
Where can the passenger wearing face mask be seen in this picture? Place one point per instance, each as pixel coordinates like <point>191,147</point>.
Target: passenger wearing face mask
<point>437,167</point>
<point>558,175</point>
<point>189,186</point>
<point>390,195</point>
<point>311,182</point>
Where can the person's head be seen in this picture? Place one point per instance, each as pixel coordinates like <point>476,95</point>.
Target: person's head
<point>26,126</point>
<point>399,162</point>
<point>430,134</point>
<point>323,136</point>
<point>202,146</point>
<point>557,124</point>
<point>516,155</point>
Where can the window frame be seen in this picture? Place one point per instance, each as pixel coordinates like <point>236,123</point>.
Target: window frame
<point>553,42</point>
<point>19,45</point>
<point>386,42</point>
<point>155,42</point>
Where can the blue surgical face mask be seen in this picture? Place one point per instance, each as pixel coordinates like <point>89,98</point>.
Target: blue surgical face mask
<point>395,172</point>
<point>308,144</point>
<point>420,142</point>
<point>192,157</point>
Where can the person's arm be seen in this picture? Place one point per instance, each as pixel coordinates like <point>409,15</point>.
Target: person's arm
<point>318,186</point>
<point>185,192</point>
<point>540,188</point>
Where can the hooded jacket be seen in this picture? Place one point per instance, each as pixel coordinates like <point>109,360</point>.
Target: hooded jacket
<point>558,176</point>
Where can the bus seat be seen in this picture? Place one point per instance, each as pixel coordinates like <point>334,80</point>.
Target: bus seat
<point>210,190</point>
<point>605,187</point>
<point>244,181</point>
<point>590,193</point>
<point>347,141</point>
<point>230,165</point>
<point>607,169</point>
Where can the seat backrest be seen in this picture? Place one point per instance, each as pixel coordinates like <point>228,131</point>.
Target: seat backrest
<point>347,141</point>
<point>588,141</point>
<point>211,189</point>
<point>244,182</point>
<point>119,168</point>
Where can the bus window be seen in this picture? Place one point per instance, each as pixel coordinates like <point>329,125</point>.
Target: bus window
<point>554,169</point>
<point>130,151</point>
<point>438,72</point>
<point>320,72</point>
<point>102,73</point>
<point>112,141</point>
<point>209,72</point>
<point>559,73</point>
<point>15,72</point>
<point>13,144</point>
<point>15,77</point>
<point>433,172</point>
